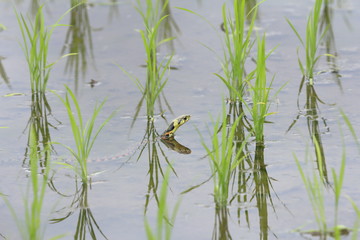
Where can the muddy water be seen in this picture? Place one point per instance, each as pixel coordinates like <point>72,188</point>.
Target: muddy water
<point>120,192</point>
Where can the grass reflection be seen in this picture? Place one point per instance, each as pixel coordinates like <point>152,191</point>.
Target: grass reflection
<point>154,151</point>
<point>151,148</point>
<point>254,184</point>
<point>251,179</point>
<point>34,7</point>
<point>262,191</point>
<point>314,121</point>
<point>249,6</point>
<point>113,10</point>
<point>78,41</point>
<point>164,220</point>
<point>316,193</point>
<point>168,28</point>
<point>31,225</point>
<point>87,226</point>
<point>221,226</point>
<point>39,122</point>
<point>316,190</point>
<point>3,74</point>
<point>326,26</point>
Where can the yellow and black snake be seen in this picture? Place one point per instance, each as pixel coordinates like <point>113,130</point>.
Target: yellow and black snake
<point>167,137</point>
<point>174,125</point>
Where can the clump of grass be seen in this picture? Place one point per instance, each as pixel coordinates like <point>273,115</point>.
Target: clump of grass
<point>351,128</point>
<point>36,38</point>
<point>238,44</point>
<point>315,189</point>
<point>33,210</point>
<point>35,43</point>
<point>357,222</point>
<point>165,220</point>
<point>84,134</point>
<point>2,27</point>
<point>311,44</point>
<point>223,158</point>
<point>260,92</point>
<point>155,70</point>
<point>32,227</point>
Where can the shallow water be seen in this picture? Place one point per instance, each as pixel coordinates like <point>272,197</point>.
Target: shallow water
<point>118,195</point>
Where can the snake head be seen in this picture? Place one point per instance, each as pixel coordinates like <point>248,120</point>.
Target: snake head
<point>185,118</point>
<point>174,125</point>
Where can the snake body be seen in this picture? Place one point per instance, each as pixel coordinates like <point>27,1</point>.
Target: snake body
<point>167,137</point>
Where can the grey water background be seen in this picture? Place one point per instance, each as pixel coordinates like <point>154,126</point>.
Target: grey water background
<point>118,194</point>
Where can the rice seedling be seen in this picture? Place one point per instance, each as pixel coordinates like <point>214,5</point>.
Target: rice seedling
<point>238,44</point>
<point>357,222</point>
<point>155,70</point>
<point>312,41</point>
<point>84,134</point>
<point>2,27</point>
<point>32,226</point>
<point>35,43</point>
<point>259,92</point>
<point>36,37</point>
<point>223,158</point>
<point>315,189</point>
<point>338,179</point>
<point>164,220</point>
<point>351,128</point>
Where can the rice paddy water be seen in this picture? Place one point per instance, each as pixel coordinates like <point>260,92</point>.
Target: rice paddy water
<point>232,165</point>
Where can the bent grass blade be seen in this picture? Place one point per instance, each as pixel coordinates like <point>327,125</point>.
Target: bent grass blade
<point>84,134</point>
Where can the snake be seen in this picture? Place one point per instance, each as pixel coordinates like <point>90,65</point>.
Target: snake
<point>167,137</point>
<point>174,125</point>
